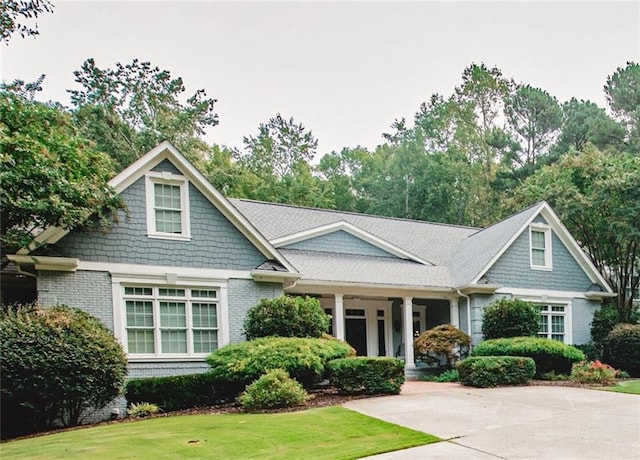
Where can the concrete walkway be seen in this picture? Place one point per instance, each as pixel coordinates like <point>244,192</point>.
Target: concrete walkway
<point>534,422</point>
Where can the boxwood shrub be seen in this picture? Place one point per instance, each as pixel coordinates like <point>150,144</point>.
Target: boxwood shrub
<point>491,371</point>
<point>273,390</point>
<point>367,375</point>
<point>304,359</point>
<point>181,391</point>
<point>622,348</point>
<point>509,318</point>
<point>549,355</point>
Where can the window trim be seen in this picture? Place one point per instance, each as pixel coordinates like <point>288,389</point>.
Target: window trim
<point>169,280</point>
<point>548,257</point>
<point>557,302</point>
<point>151,179</point>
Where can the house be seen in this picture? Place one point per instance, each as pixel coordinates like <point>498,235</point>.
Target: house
<point>174,281</point>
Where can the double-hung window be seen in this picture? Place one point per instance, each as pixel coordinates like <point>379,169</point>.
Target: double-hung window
<point>552,321</point>
<point>167,206</point>
<point>540,247</point>
<point>175,321</point>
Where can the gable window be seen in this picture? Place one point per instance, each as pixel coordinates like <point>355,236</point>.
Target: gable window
<point>167,206</point>
<point>552,322</point>
<point>540,247</point>
<point>161,321</point>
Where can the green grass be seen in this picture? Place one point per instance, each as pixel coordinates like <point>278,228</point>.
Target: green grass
<point>628,386</point>
<point>327,433</point>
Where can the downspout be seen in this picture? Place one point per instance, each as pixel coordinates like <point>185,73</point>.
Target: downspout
<point>22,272</point>
<point>468,312</point>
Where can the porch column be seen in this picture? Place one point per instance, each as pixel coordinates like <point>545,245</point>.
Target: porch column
<point>339,316</point>
<point>454,312</point>
<point>407,332</point>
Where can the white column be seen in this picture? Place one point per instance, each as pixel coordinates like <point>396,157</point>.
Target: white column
<point>407,332</point>
<point>454,312</point>
<point>339,317</point>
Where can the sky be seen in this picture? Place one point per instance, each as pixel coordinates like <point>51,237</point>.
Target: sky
<point>345,70</point>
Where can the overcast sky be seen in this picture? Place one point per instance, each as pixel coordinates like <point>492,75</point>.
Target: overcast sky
<point>345,70</point>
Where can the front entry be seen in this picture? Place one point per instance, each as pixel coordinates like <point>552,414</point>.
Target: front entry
<point>356,334</point>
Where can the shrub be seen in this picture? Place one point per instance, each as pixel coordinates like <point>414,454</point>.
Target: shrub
<point>509,318</point>
<point>143,409</point>
<point>303,359</point>
<point>286,316</point>
<point>604,320</point>
<point>450,375</point>
<point>367,375</point>
<point>549,355</point>
<point>622,348</point>
<point>57,363</point>
<point>444,341</point>
<point>181,391</point>
<point>593,372</point>
<point>590,350</point>
<point>491,371</point>
<point>272,390</point>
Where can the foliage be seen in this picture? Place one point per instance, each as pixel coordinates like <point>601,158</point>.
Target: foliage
<point>272,390</point>
<point>50,174</point>
<point>509,318</point>
<point>142,409</point>
<point>491,371</point>
<point>593,372</point>
<point>129,109</point>
<point>596,195</point>
<point>57,364</point>
<point>622,90</point>
<point>367,375</point>
<point>13,12</point>
<point>444,341</point>
<point>286,316</point>
<point>604,320</point>
<point>304,359</point>
<point>324,433</point>
<point>622,348</point>
<point>590,350</point>
<point>181,391</point>
<point>450,375</point>
<point>549,355</point>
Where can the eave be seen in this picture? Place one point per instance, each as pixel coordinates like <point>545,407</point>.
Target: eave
<point>48,263</point>
<point>479,288</point>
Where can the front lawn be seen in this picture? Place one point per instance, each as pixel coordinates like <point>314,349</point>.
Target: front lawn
<point>627,386</point>
<point>327,433</point>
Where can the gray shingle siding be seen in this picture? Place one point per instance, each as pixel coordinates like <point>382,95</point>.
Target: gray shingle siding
<point>244,294</point>
<point>89,291</point>
<point>215,241</point>
<point>340,242</point>
<point>513,269</point>
<point>581,317</point>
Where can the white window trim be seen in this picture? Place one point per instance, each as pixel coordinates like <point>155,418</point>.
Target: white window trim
<point>548,257</point>
<point>560,302</point>
<point>169,280</point>
<point>154,177</point>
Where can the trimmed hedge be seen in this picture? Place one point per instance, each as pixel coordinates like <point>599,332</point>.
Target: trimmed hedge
<point>286,316</point>
<point>509,318</point>
<point>304,359</point>
<point>491,371</point>
<point>273,390</point>
<point>181,391</point>
<point>622,348</point>
<point>367,375</point>
<point>549,355</point>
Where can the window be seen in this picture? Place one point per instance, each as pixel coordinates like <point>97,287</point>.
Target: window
<point>167,206</point>
<point>170,321</point>
<point>540,244</point>
<point>552,322</point>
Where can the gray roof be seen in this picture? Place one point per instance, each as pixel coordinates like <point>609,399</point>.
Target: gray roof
<point>457,253</point>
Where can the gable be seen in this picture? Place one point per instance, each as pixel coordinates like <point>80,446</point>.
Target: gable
<point>339,242</point>
<point>215,242</point>
<point>513,268</point>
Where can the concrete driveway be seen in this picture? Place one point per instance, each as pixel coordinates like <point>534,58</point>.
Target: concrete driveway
<point>533,422</point>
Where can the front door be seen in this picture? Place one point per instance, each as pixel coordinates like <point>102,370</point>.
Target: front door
<point>355,330</point>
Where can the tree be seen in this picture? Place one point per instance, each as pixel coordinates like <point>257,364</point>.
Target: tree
<point>50,174</point>
<point>509,318</point>
<point>131,108</point>
<point>597,197</point>
<point>535,118</point>
<point>58,363</point>
<point>623,95</point>
<point>12,11</point>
